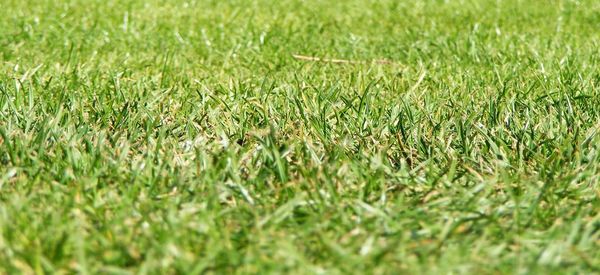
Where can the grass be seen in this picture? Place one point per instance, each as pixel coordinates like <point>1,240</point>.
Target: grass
<point>183,137</point>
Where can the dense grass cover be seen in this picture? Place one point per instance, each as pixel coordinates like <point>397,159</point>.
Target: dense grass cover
<point>183,137</point>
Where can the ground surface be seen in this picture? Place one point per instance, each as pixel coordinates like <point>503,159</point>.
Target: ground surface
<point>182,136</point>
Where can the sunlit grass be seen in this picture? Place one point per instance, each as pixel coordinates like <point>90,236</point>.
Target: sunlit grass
<point>184,137</point>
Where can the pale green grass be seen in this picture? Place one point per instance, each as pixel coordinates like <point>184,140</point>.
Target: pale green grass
<point>182,137</point>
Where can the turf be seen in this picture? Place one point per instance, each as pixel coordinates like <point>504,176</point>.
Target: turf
<point>183,137</point>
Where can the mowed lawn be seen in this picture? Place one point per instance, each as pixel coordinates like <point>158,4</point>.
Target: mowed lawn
<point>148,136</point>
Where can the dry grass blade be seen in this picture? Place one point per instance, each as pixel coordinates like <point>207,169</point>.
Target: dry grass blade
<point>340,61</point>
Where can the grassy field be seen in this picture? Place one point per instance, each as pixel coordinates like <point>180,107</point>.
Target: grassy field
<point>184,137</point>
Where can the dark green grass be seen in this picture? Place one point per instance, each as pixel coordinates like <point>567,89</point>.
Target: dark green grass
<point>182,137</point>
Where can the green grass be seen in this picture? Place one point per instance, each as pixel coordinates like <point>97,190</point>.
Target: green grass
<point>183,137</point>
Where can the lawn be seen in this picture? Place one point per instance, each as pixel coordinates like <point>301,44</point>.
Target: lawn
<point>184,137</point>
